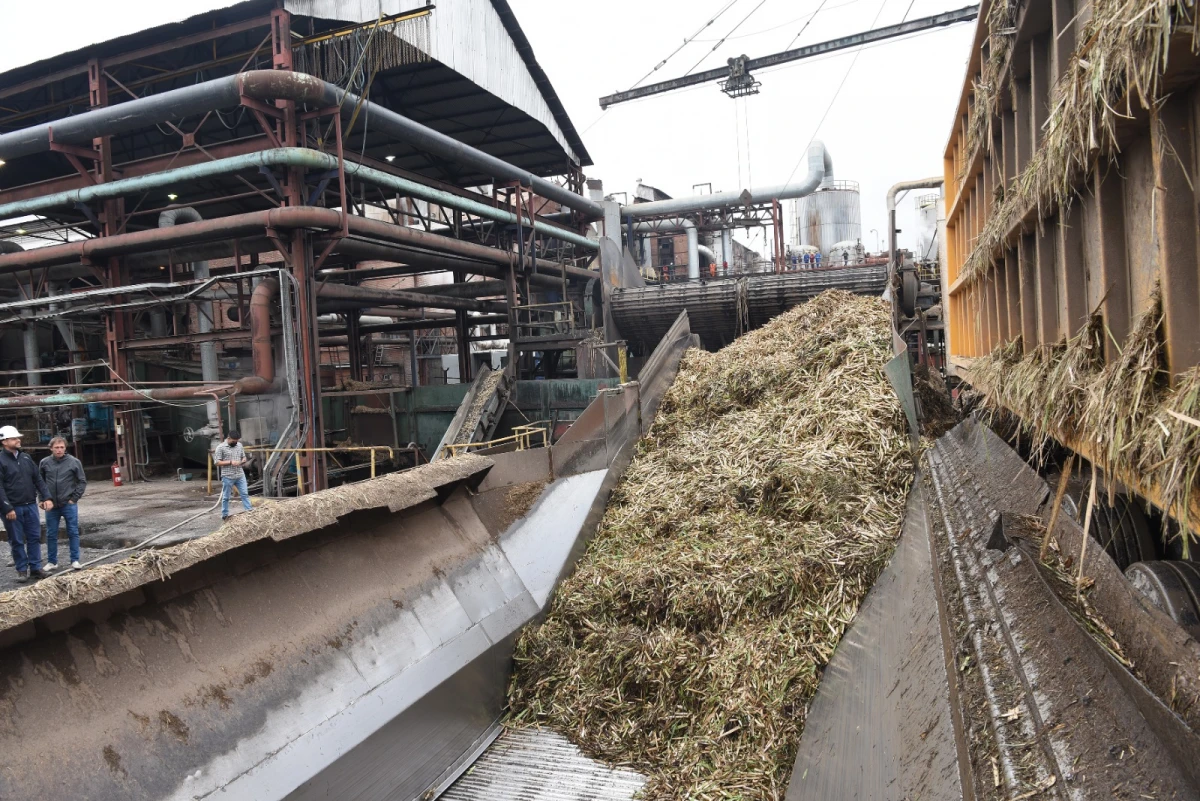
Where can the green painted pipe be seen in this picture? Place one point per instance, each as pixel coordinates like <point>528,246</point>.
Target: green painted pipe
<point>300,157</point>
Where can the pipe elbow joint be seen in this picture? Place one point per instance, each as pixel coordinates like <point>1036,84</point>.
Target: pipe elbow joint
<point>253,385</point>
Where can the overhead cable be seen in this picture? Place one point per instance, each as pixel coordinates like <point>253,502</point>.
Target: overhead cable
<point>726,36</point>
<point>806,24</point>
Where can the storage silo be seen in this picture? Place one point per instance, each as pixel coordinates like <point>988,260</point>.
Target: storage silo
<point>928,207</point>
<point>830,215</point>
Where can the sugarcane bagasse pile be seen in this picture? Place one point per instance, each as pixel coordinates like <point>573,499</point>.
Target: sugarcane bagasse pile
<point>735,551</point>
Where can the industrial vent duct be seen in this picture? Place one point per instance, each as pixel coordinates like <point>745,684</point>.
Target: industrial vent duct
<point>721,310</point>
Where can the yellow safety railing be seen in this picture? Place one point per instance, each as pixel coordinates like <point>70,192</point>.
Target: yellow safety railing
<point>522,436</point>
<point>622,365</point>
<point>299,468</point>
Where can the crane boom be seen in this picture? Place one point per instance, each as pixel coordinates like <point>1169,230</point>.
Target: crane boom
<point>740,68</point>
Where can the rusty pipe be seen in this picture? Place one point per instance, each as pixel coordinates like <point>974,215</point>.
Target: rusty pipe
<point>256,223</point>
<point>269,85</point>
<point>260,329</point>
<point>258,384</point>
<point>237,225</point>
<point>366,296</point>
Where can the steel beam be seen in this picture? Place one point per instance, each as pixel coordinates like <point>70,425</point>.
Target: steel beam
<point>869,37</point>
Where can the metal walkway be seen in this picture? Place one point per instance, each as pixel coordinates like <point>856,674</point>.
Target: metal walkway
<point>539,765</point>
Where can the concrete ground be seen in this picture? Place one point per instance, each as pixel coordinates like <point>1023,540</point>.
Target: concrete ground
<point>111,518</point>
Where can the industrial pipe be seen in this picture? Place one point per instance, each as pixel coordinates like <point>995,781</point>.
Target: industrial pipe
<point>693,239</point>
<point>820,173</point>
<point>298,157</point>
<point>260,329</point>
<point>258,384</point>
<point>903,186</point>
<point>33,378</point>
<point>204,318</point>
<point>254,223</point>
<point>66,330</point>
<point>32,361</point>
<point>366,296</point>
<point>727,248</point>
<point>266,85</point>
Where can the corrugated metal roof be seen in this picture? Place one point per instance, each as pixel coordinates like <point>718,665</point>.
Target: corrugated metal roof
<point>481,40</point>
<point>539,765</point>
<point>482,85</point>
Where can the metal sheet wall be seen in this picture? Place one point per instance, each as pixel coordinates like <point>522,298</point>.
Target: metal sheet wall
<point>465,35</point>
<point>830,216</point>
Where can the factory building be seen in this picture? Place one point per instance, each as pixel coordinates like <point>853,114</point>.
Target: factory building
<point>227,217</point>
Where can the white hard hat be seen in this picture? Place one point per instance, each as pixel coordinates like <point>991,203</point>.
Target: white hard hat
<point>8,432</point>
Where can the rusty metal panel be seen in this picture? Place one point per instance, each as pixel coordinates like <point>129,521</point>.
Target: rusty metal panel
<point>1137,165</point>
<point>1109,191</point>
<point>1047,283</point>
<point>1072,270</point>
<point>1176,229</point>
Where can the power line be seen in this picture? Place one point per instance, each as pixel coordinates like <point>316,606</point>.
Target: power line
<point>726,36</point>
<point>806,24</point>
<point>686,42</point>
<point>774,28</point>
<point>663,63</point>
<point>833,99</point>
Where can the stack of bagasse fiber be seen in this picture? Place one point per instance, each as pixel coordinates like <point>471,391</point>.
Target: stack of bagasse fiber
<point>735,551</point>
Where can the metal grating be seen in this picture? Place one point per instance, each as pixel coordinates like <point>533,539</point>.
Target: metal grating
<point>539,765</point>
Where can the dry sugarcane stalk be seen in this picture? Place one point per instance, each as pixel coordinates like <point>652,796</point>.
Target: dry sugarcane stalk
<point>1058,497</point>
<point>1087,527</point>
<point>761,505</point>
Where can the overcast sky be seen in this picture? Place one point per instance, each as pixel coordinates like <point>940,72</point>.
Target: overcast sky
<point>889,121</point>
<point>884,112</point>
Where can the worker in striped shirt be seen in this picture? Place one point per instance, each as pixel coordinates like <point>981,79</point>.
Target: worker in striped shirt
<point>230,456</point>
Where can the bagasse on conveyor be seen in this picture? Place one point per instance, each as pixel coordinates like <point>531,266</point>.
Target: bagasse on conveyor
<point>759,510</point>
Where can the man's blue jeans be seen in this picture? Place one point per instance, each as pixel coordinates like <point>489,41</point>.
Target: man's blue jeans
<point>70,513</point>
<point>243,491</point>
<point>25,537</point>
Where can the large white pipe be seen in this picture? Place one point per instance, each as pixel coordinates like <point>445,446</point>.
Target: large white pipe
<point>67,331</point>
<point>727,249</point>
<point>204,311</point>
<point>903,186</point>
<point>32,361</point>
<point>678,224</point>
<point>820,173</point>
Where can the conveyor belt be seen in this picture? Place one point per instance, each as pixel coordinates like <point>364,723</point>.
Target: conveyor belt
<point>721,309</point>
<point>479,412</point>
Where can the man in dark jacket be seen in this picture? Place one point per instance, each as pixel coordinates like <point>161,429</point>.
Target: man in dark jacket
<point>65,480</point>
<point>21,492</point>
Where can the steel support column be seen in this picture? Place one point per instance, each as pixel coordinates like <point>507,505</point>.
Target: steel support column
<point>118,325</point>
<point>301,260</point>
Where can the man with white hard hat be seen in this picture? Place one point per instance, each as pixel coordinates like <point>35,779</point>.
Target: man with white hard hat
<point>22,492</point>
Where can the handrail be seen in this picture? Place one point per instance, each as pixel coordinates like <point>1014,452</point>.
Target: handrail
<point>299,469</point>
<point>522,436</point>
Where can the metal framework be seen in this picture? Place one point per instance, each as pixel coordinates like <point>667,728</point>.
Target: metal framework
<point>281,169</point>
<point>737,80</point>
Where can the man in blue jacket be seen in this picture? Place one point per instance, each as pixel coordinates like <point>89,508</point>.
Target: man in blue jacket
<point>22,491</point>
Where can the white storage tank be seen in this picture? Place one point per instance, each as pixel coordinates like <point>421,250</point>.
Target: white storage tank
<point>849,251</point>
<point>828,216</point>
<point>928,207</point>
